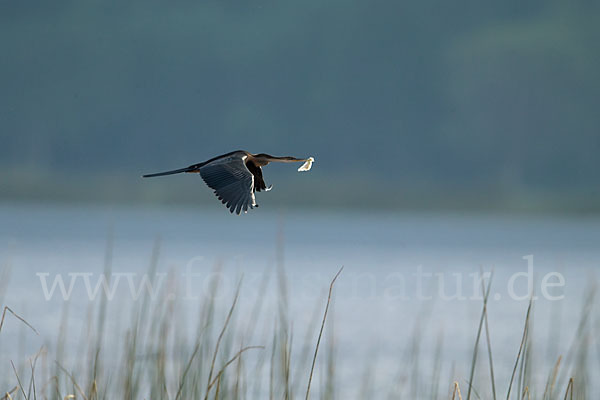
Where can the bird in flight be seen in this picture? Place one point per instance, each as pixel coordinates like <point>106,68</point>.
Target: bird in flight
<point>236,176</point>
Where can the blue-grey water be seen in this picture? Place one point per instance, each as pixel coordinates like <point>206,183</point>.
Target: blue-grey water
<point>405,276</point>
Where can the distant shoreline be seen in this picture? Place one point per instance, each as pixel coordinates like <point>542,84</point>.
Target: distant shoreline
<point>295,193</point>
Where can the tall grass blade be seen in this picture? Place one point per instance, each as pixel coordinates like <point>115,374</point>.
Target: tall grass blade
<point>312,368</point>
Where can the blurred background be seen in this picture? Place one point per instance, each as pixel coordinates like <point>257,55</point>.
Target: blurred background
<point>405,105</point>
<point>450,138</point>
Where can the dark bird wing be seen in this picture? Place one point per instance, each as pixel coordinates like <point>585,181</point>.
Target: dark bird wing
<point>231,181</point>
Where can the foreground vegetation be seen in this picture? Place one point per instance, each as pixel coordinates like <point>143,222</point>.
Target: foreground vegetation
<point>161,358</point>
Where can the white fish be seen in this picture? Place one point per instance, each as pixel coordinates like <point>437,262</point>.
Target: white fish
<point>307,165</point>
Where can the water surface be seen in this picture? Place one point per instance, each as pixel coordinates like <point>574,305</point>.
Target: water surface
<point>405,276</point>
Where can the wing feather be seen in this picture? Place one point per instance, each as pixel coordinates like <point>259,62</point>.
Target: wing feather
<point>231,182</point>
<point>236,200</point>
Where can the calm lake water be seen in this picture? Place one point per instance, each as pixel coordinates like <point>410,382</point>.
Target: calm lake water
<point>405,276</point>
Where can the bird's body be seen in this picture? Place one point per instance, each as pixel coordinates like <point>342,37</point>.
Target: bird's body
<point>236,176</point>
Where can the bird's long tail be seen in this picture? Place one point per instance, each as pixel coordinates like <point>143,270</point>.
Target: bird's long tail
<point>175,171</point>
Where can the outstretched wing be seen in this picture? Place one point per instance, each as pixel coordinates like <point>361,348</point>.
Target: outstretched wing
<point>231,181</point>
